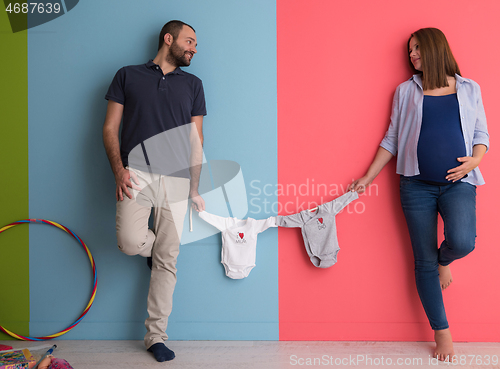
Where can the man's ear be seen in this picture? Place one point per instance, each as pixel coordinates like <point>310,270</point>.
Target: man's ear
<point>168,38</point>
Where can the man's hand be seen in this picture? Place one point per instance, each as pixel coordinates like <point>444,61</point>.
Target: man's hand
<point>197,202</point>
<point>124,180</point>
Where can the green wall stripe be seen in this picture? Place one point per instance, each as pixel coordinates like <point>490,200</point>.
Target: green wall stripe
<point>14,201</point>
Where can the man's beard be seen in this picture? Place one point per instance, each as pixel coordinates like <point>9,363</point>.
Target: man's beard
<point>177,56</point>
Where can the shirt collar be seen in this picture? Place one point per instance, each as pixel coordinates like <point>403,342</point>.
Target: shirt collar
<point>151,64</point>
<point>460,79</point>
<point>417,78</point>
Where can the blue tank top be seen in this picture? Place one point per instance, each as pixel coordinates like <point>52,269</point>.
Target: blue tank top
<point>441,140</point>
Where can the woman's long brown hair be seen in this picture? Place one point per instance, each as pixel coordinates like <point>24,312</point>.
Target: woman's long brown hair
<point>437,59</point>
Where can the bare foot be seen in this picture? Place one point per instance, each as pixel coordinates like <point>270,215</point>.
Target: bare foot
<point>444,345</point>
<point>445,277</point>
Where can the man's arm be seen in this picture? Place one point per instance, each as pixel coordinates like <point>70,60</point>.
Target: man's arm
<point>196,161</point>
<point>112,145</point>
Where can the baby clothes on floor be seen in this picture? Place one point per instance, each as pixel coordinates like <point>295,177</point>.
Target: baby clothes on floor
<point>319,230</point>
<point>239,241</point>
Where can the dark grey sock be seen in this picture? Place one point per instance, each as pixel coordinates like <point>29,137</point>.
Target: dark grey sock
<point>161,352</point>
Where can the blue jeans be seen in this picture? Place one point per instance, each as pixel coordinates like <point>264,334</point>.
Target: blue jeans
<point>422,202</point>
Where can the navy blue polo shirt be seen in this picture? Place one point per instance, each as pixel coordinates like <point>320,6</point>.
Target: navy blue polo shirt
<point>156,106</point>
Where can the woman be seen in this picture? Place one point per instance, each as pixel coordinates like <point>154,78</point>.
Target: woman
<point>438,129</point>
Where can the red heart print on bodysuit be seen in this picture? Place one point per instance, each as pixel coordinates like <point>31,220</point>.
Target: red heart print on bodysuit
<point>241,235</point>
<point>320,220</point>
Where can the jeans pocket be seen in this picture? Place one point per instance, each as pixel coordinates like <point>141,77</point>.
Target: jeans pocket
<point>404,181</point>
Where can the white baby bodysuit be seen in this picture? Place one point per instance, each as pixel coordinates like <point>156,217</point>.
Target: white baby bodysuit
<point>239,241</point>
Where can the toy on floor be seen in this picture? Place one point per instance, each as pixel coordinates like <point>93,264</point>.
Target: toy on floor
<point>51,362</point>
<point>16,359</point>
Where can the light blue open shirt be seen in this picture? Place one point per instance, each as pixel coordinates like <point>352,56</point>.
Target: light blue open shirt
<point>406,120</point>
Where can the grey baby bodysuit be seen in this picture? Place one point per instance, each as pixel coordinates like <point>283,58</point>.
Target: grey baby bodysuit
<point>319,230</point>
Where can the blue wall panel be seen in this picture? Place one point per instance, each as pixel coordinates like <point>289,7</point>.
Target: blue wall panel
<point>71,61</point>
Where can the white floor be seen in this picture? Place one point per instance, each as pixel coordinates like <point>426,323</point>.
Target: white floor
<point>267,354</point>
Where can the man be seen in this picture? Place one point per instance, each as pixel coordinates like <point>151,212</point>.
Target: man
<point>157,164</point>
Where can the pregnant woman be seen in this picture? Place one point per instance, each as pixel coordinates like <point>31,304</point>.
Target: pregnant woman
<point>438,132</point>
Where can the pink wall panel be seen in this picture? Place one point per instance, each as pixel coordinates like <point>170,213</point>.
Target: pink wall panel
<point>339,63</point>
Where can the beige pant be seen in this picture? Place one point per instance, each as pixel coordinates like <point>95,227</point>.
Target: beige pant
<point>169,198</point>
